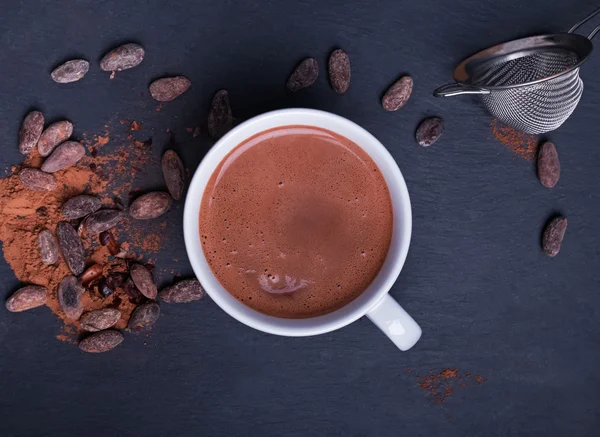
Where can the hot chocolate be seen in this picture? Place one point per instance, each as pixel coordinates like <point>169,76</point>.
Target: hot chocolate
<point>296,221</point>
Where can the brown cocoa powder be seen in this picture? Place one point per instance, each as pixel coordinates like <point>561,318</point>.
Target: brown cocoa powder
<point>521,144</point>
<point>24,213</point>
<point>441,385</point>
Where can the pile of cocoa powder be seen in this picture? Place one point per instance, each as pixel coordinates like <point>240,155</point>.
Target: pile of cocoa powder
<point>24,213</point>
<point>110,177</point>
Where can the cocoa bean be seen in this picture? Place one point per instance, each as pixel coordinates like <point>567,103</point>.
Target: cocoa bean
<point>304,75</point>
<point>91,274</point>
<point>37,180</point>
<point>30,132</point>
<point>142,278</point>
<point>144,317</point>
<point>174,174</point>
<point>169,88</point>
<point>150,206</point>
<point>122,58</point>
<point>48,247</point>
<point>69,297</point>
<point>26,298</point>
<point>65,155</point>
<point>99,320</point>
<point>188,290</point>
<point>71,247</point>
<point>429,131</point>
<point>103,220</point>
<point>548,165</point>
<point>398,94</point>
<point>553,236</point>
<point>220,120</point>
<point>53,135</point>
<point>70,71</point>
<point>102,341</point>
<point>339,71</point>
<point>80,206</point>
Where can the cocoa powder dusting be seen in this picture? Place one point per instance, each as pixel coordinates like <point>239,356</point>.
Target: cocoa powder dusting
<point>521,144</point>
<point>440,386</point>
<point>24,213</point>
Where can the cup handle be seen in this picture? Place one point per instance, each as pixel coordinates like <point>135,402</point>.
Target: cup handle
<point>396,323</point>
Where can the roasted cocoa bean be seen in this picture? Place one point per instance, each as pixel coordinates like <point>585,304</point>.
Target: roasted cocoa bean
<point>80,206</point>
<point>144,317</point>
<point>150,206</point>
<point>398,94</point>
<point>70,71</point>
<point>37,180</point>
<point>71,247</point>
<point>304,75</point>
<point>339,71</point>
<point>553,236</point>
<point>48,247</point>
<point>548,165</point>
<point>65,155</point>
<point>99,320</point>
<point>26,298</point>
<point>103,220</point>
<point>174,173</point>
<point>102,341</point>
<point>122,58</point>
<point>169,88</point>
<point>188,290</point>
<point>91,274</point>
<point>53,135</point>
<point>30,132</point>
<point>429,131</point>
<point>69,297</point>
<point>142,278</point>
<point>220,120</point>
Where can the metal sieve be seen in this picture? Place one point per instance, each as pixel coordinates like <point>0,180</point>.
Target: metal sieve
<point>531,84</point>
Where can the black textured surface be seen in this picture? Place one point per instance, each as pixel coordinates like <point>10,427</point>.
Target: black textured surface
<point>487,298</point>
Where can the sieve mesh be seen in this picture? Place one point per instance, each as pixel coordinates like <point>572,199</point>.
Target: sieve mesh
<point>525,69</point>
<point>536,108</point>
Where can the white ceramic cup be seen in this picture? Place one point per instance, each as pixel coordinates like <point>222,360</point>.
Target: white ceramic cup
<point>375,301</point>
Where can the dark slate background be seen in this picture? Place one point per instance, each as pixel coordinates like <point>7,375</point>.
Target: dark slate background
<point>488,300</point>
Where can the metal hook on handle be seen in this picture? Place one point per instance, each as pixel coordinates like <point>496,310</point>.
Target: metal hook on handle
<point>585,20</point>
<point>594,32</point>
<point>456,89</point>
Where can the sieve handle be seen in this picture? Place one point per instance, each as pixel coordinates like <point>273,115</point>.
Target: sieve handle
<point>456,89</point>
<point>593,33</point>
<point>585,20</point>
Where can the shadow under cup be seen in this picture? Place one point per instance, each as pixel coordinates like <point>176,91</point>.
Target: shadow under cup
<point>402,223</point>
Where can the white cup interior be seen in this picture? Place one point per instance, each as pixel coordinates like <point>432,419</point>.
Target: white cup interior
<point>400,237</point>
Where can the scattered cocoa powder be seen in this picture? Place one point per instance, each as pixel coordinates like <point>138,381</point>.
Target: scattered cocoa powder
<point>440,386</point>
<point>24,213</point>
<point>521,144</point>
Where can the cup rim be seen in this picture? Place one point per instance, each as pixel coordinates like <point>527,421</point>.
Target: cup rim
<point>319,324</point>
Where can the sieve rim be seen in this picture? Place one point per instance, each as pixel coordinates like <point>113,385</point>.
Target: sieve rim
<point>578,44</point>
